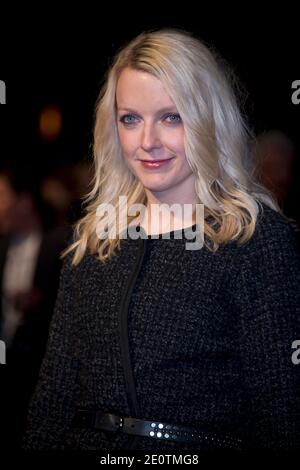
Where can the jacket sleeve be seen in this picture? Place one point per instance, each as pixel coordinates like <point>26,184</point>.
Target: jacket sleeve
<point>266,288</point>
<point>52,404</point>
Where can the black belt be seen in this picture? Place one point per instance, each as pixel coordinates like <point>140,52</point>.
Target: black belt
<point>152,429</point>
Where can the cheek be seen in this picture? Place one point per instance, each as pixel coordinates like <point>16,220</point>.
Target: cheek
<point>175,140</point>
<point>127,141</point>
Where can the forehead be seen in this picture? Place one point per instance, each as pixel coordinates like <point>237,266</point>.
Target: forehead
<point>137,89</point>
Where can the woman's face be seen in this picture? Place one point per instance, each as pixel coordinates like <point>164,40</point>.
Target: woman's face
<point>152,137</point>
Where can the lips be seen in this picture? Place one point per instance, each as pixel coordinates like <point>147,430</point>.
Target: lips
<point>155,163</point>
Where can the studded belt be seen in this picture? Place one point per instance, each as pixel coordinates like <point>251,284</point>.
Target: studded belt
<point>153,429</point>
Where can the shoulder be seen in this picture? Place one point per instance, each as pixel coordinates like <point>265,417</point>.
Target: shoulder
<point>272,232</point>
<point>272,249</point>
<point>270,219</point>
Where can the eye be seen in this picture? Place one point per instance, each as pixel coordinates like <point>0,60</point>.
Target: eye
<point>128,119</point>
<point>173,118</point>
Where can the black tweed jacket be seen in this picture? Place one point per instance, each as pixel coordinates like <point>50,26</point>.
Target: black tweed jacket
<point>180,336</point>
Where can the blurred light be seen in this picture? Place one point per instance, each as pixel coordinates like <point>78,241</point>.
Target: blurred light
<point>50,122</point>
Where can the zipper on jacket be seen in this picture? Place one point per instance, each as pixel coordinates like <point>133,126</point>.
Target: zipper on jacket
<point>125,353</point>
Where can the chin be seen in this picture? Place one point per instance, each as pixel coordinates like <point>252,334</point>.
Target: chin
<point>155,186</point>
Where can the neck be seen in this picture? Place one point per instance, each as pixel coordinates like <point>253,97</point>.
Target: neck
<point>160,218</point>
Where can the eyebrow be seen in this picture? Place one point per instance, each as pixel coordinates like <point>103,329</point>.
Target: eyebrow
<point>168,109</point>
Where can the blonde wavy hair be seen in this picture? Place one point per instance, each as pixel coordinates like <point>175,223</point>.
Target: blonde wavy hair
<point>216,139</point>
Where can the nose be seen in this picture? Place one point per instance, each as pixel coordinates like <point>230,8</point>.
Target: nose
<point>150,137</point>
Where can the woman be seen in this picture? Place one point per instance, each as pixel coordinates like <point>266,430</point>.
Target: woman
<point>154,346</point>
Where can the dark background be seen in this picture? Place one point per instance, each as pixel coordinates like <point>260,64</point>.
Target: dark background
<point>57,54</point>
<point>50,58</point>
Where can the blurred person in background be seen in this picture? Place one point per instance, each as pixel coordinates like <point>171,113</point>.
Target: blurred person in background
<point>63,191</point>
<point>29,275</point>
<point>276,159</point>
<point>275,154</point>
